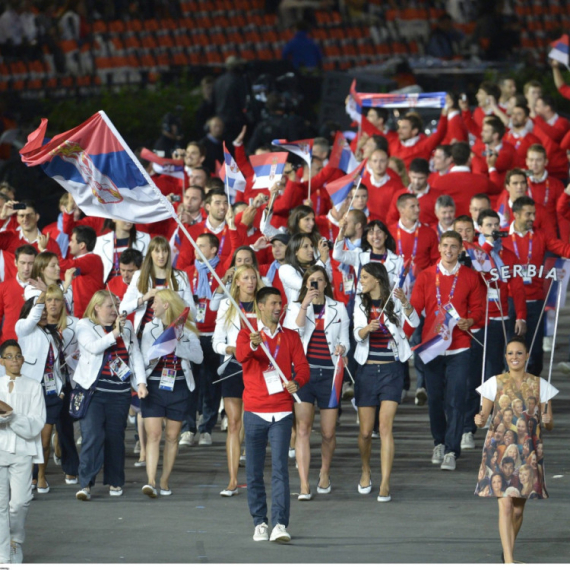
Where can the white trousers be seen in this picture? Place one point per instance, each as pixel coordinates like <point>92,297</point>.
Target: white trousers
<point>15,498</point>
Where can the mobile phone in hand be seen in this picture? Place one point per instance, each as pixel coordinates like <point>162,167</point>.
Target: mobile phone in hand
<point>314,285</point>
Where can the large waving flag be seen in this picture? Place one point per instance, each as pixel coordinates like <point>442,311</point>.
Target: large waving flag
<point>341,155</point>
<point>166,342</point>
<point>268,168</point>
<point>562,277</point>
<point>560,50</point>
<point>337,383</point>
<point>440,342</point>
<point>231,175</point>
<point>167,166</point>
<point>353,104</point>
<point>94,164</point>
<point>340,188</point>
<point>303,148</point>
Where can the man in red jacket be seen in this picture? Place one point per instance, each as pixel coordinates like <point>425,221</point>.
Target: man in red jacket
<point>268,411</point>
<point>518,135</point>
<point>412,143</point>
<point>443,283</point>
<point>380,183</point>
<point>88,267</point>
<point>462,184</point>
<point>530,246</point>
<point>12,291</point>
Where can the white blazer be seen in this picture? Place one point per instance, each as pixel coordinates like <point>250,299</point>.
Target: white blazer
<point>30,291</point>
<point>225,334</point>
<point>94,341</point>
<point>35,343</point>
<point>336,324</point>
<point>188,348</point>
<point>402,344</point>
<point>357,258</point>
<point>292,280</point>
<point>105,247</point>
<point>130,300</point>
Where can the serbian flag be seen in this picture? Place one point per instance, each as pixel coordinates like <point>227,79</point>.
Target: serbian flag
<point>95,165</point>
<point>480,260</point>
<point>369,128</point>
<point>562,267</point>
<point>440,342</point>
<point>167,166</point>
<point>403,100</point>
<point>354,104</point>
<point>268,168</point>
<point>404,273</point>
<point>340,188</point>
<point>560,50</point>
<point>342,156</point>
<point>337,383</point>
<point>166,342</point>
<point>231,175</point>
<point>303,148</point>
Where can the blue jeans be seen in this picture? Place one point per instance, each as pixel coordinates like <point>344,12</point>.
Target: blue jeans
<point>494,364</point>
<point>533,309</point>
<point>211,392</point>
<point>103,439</point>
<point>257,433</point>
<point>446,383</point>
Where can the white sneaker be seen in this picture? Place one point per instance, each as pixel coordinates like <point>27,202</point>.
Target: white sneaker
<point>115,491</point>
<point>205,439</point>
<point>563,367</point>
<point>437,456</point>
<point>187,439</point>
<point>261,532</point>
<point>84,494</point>
<point>467,441</point>
<point>375,435</point>
<point>547,344</point>
<point>16,553</point>
<point>79,440</point>
<point>137,447</point>
<point>291,453</point>
<point>448,463</point>
<point>421,397</point>
<point>280,534</point>
<point>56,459</point>
<point>224,424</point>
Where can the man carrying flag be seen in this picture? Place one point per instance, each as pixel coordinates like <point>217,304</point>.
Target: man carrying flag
<point>231,176</point>
<point>437,286</point>
<point>492,253</point>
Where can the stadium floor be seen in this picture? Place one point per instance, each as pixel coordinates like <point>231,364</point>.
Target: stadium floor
<point>433,517</point>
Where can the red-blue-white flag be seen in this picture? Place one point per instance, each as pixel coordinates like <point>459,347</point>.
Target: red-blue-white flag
<point>404,273</point>
<point>336,387</point>
<point>340,188</point>
<point>341,155</point>
<point>167,166</point>
<point>166,342</point>
<point>95,165</point>
<point>354,104</point>
<point>440,342</point>
<point>560,50</point>
<point>303,148</point>
<point>268,168</point>
<point>562,267</point>
<point>480,260</point>
<point>231,175</point>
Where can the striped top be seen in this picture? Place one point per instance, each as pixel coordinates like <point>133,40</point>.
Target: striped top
<point>380,341</point>
<point>171,362</point>
<point>318,353</point>
<point>109,382</point>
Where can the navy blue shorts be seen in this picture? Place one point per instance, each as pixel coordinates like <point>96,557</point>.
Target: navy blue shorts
<point>164,404</point>
<point>378,382</point>
<point>232,387</point>
<point>318,388</point>
<point>53,408</point>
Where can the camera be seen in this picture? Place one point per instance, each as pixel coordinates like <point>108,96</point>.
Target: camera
<point>314,285</point>
<point>19,206</point>
<point>175,198</point>
<point>497,234</point>
<point>328,242</point>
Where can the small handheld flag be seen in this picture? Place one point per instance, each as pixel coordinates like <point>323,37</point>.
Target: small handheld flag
<point>560,50</point>
<point>303,148</point>
<point>166,342</point>
<point>341,155</point>
<point>268,168</point>
<point>337,383</point>
<point>231,175</point>
<point>340,188</point>
<point>167,166</point>
<point>562,267</point>
<point>438,344</point>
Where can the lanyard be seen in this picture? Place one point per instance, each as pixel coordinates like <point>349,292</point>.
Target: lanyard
<point>50,358</point>
<point>330,230</point>
<point>546,192</point>
<point>437,290</point>
<point>173,360</point>
<point>264,337</point>
<point>322,313</point>
<point>529,247</point>
<point>318,208</point>
<point>223,240</point>
<point>415,248</point>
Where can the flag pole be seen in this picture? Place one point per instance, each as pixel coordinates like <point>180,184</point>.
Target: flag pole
<point>538,323</point>
<point>484,342</point>
<point>558,300</point>
<point>175,217</point>
<point>309,197</point>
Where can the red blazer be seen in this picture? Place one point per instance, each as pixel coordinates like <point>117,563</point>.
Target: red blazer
<point>521,145</point>
<point>87,283</point>
<point>427,207</point>
<point>187,256</point>
<point>456,130</point>
<point>462,186</point>
<point>426,253</point>
<point>505,161</point>
<point>15,242</point>
<point>557,131</point>
<point>255,362</point>
<point>11,303</point>
<point>380,197</point>
<point>541,221</point>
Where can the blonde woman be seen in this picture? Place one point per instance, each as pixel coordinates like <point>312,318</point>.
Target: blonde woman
<point>169,383</point>
<point>47,336</point>
<point>512,451</point>
<point>155,273</point>
<point>110,363</point>
<point>46,272</point>
<point>245,284</point>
